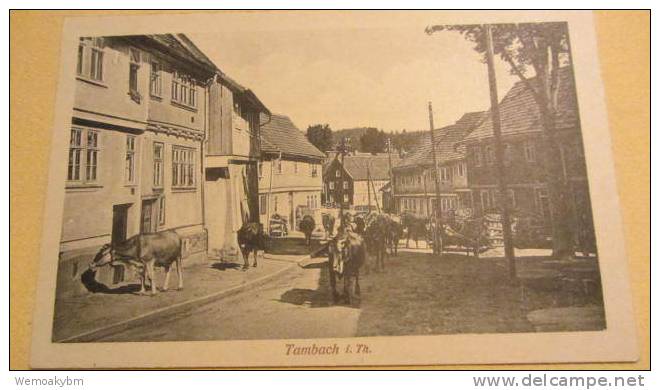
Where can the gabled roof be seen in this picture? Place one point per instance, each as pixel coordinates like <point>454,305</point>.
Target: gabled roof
<point>362,167</point>
<point>183,48</point>
<point>446,139</point>
<point>247,94</point>
<point>281,135</point>
<point>519,111</point>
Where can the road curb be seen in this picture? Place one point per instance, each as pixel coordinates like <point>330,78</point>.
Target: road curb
<point>176,308</point>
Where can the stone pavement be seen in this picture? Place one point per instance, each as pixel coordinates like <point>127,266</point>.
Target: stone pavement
<point>78,318</point>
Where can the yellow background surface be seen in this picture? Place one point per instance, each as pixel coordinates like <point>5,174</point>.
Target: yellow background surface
<point>34,50</point>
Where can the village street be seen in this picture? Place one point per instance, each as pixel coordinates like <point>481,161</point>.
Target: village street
<point>417,294</point>
<point>288,307</point>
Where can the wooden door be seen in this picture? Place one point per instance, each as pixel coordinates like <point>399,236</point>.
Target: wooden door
<point>147,218</point>
<point>119,222</point>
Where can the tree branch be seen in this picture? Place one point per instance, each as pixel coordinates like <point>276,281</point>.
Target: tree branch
<point>523,78</point>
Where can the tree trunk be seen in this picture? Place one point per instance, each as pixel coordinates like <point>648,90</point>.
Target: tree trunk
<point>558,190</point>
<point>547,75</point>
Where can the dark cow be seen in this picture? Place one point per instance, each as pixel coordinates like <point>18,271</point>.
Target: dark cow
<point>144,252</point>
<point>251,238</point>
<point>376,236</point>
<point>346,255</point>
<point>359,225</point>
<point>307,226</point>
<point>395,232</point>
<point>328,221</point>
<point>415,228</point>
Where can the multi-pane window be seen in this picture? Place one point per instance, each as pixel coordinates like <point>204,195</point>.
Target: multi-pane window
<point>278,166</point>
<point>477,156</point>
<point>485,200</point>
<point>295,167</point>
<point>92,156</point>
<point>331,185</point>
<point>83,152</point>
<point>175,86</point>
<point>263,205</point>
<point>75,155</point>
<point>96,64</point>
<point>161,210</point>
<point>159,153</point>
<point>511,197</point>
<point>345,185</point>
<point>315,170</point>
<point>81,57</point>
<point>490,155</point>
<point>337,173</point>
<point>445,174</point>
<point>530,151</point>
<point>184,89</point>
<point>183,167</point>
<point>89,62</point>
<point>134,67</point>
<point>508,154</point>
<point>156,80</point>
<point>129,168</point>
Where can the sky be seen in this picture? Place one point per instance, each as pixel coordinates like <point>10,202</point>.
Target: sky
<point>363,70</point>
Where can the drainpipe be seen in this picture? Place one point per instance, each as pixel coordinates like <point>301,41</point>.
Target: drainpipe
<point>270,180</point>
<point>203,141</point>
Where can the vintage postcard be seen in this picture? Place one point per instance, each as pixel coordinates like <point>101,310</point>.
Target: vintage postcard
<point>331,188</point>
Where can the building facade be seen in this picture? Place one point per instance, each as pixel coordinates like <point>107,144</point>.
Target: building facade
<point>136,136</point>
<point>414,177</point>
<point>232,154</point>
<point>523,142</point>
<point>290,173</point>
<point>359,180</point>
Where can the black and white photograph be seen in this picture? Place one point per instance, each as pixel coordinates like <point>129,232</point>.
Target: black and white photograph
<point>419,174</point>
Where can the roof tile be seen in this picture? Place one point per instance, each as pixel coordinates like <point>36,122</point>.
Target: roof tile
<point>281,135</point>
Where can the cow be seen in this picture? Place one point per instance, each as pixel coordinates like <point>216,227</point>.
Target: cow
<point>395,232</point>
<point>359,225</point>
<point>251,238</point>
<point>144,252</point>
<point>376,236</point>
<point>307,226</point>
<point>346,255</point>
<point>328,221</point>
<point>415,229</point>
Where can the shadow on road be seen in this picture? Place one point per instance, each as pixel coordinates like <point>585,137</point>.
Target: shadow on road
<point>291,246</point>
<point>321,297</point>
<point>88,279</point>
<point>222,266</point>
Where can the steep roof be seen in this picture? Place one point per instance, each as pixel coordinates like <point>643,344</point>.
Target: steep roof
<point>181,46</point>
<point>519,111</point>
<point>281,135</point>
<point>362,166</point>
<point>446,139</point>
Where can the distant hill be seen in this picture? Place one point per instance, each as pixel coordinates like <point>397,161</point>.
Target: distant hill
<point>353,133</point>
<point>401,140</point>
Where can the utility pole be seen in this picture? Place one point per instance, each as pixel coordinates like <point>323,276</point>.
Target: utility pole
<point>373,189</point>
<point>368,187</point>
<point>499,155</point>
<point>437,212</point>
<point>342,152</point>
<point>389,162</point>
